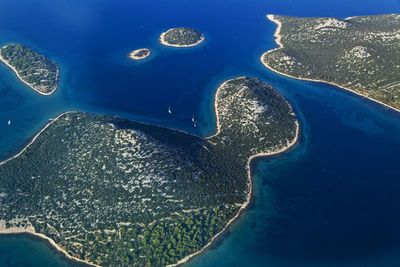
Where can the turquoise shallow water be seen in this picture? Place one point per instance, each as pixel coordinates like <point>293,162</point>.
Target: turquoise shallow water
<point>332,200</point>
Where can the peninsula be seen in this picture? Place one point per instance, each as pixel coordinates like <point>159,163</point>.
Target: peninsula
<point>112,192</point>
<point>32,68</point>
<point>360,54</point>
<point>181,37</point>
<point>140,54</point>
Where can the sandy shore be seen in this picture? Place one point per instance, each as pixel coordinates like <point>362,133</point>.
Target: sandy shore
<point>278,29</point>
<point>278,41</point>
<point>162,41</point>
<point>31,231</point>
<point>349,18</point>
<point>30,85</point>
<point>133,55</point>
<point>244,206</point>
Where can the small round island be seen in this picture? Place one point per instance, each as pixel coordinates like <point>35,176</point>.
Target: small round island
<point>181,37</point>
<point>140,54</point>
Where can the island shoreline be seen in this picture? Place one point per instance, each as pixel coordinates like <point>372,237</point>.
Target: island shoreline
<point>138,58</point>
<point>243,207</point>
<point>278,42</point>
<point>26,83</point>
<point>48,245</point>
<point>48,240</point>
<point>163,42</point>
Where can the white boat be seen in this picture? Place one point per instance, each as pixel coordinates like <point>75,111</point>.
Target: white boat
<point>193,118</point>
<point>195,124</point>
<point>169,110</point>
<point>9,122</point>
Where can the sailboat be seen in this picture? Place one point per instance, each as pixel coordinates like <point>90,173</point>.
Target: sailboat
<point>169,110</point>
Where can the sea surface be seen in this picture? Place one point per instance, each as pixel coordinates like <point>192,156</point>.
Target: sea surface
<point>332,200</point>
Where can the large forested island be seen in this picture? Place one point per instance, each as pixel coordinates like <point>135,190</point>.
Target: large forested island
<point>361,54</point>
<point>181,37</point>
<point>32,68</point>
<point>115,192</point>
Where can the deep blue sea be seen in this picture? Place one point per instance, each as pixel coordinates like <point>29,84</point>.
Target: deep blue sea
<point>333,200</point>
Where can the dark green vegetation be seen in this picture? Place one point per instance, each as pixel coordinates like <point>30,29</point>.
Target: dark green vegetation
<point>360,53</point>
<point>33,68</point>
<point>182,37</point>
<point>118,192</point>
